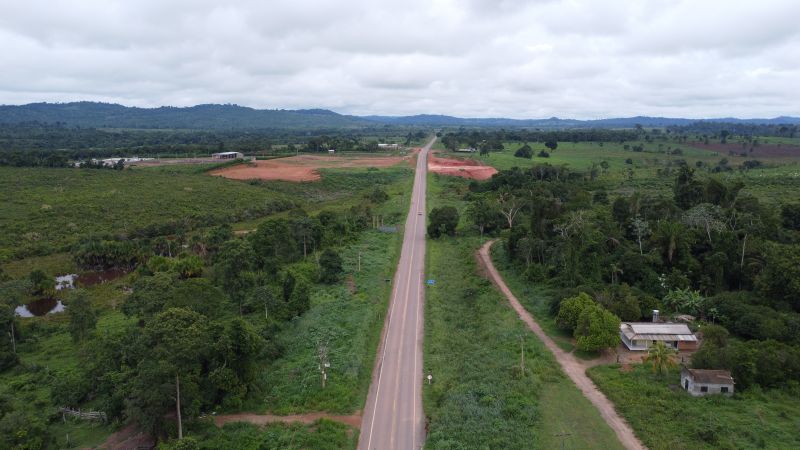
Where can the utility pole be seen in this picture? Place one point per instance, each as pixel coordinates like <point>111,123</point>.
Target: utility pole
<point>359,262</point>
<point>324,365</point>
<point>522,355</point>
<point>13,339</point>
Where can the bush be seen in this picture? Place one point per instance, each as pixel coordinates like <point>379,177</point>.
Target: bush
<point>330,266</point>
<point>524,152</point>
<point>443,221</point>
<point>571,309</point>
<point>543,154</point>
<point>597,329</point>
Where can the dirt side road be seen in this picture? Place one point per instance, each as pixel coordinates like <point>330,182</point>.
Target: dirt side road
<point>574,369</point>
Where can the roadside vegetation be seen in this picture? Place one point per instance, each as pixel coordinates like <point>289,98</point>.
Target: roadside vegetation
<point>494,384</point>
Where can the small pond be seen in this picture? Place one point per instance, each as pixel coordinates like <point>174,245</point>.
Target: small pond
<point>41,307</point>
<point>92,278</point>
<point>45,306</point>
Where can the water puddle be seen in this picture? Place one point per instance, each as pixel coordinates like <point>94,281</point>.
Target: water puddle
<point>41,307</point>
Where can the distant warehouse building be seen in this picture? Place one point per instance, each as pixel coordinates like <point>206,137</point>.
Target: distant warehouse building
<point>641,335</point>
<point>227,155</point>
<point>704,382</point>
<point>394,146</point>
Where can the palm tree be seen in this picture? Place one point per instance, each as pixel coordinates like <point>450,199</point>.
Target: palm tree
<point>660,357</point>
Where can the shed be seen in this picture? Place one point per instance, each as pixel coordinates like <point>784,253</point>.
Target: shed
<point>641,335</point>
<point>227,155</point>
<point>698,382</point>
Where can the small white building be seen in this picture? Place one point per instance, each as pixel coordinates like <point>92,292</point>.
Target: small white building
<point>641,335</point>
<point>698,382</point>
<point>467,150</point>
<point>227,155</point>
<point>388,146</point>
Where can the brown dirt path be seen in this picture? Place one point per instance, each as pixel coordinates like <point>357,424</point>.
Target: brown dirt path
<point>128,438</point>
<point>574,369</point>
<point>263,419</point>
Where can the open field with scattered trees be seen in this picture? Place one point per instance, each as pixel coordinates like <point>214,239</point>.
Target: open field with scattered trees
<point>236,322</point>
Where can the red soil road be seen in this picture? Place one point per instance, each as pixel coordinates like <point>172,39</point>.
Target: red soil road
<point>761,151</point>
<point>303,167</point>
<point>465,168</point>
<point>569,364</point>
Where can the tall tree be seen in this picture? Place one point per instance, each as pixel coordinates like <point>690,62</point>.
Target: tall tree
<point>82,317</point>
<point>8,351</point>
<point>175,341</point>
<point>330,266</point>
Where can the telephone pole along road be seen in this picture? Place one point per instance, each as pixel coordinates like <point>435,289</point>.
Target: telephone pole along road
<point>393,416</point>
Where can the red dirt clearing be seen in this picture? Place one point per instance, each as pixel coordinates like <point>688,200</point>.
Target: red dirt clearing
<point>760,151</point>
<point>303,167</point>
<point>465,168</point>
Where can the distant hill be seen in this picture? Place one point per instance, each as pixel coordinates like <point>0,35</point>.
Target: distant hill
<point>554,122</point>
<point>228,117</point>
<point>105,115</point>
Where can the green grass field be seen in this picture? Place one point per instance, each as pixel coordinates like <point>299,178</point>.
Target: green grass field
<point>52,209</point>
<point>778,180</point>
<point>473,339</point>
<point>667,418</point>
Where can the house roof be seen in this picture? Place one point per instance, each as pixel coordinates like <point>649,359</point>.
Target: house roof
<point>226,153</point>
<point>710,376</point>
<point>649,331</point>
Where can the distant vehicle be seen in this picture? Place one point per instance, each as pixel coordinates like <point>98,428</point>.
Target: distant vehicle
<point>419,213</point>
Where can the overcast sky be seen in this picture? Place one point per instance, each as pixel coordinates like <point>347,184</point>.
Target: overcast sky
<point>471,58</point>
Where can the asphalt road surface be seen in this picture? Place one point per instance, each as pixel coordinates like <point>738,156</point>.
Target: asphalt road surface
<point>393,417</point>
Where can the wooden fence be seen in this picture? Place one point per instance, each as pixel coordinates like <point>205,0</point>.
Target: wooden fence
<point>83,415</point>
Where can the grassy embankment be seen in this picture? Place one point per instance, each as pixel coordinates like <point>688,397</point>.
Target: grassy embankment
<point>473,339</point>
<point>667,418</point>
<point>350,320</point>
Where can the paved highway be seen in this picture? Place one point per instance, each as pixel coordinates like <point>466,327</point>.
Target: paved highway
<point>393,417</point>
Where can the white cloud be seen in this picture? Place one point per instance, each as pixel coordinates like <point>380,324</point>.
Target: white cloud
<point>477,58</point>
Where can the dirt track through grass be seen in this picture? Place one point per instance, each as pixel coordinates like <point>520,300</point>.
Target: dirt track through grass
<point>572,368</point>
